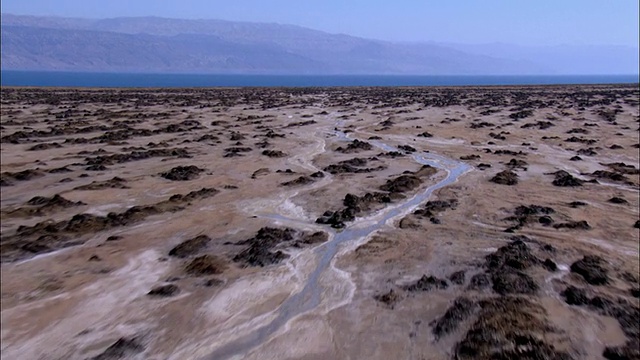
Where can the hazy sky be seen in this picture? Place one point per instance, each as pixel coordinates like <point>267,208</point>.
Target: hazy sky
<point>526,22</point>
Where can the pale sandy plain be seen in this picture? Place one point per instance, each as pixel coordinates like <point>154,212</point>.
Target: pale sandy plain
<point>77,286</point>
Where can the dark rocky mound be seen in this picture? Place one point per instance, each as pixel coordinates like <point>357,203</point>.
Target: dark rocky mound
<point>563,178</point>
<point>355,146</point>
<point>389,298</point>
<point>391,154</point>
<point>113,183</point>
<point>457,277</point>
<point>136,156</point>
<point>506,177</point>
<point>483,166</point>
<point>354,165</point>
<point>550,265</point>
<point>48,235</point>
<point>55,201</point>
<point>427,283</point>
<point>407,148</point>
<point>41,205</point>
<point>623,168</point>
<point>182,173</point>
<point>313,238</point>
<point>509,152</point>
<point>506,267</point>
<point>401,184</point>
<point>353,205</point>
<point>617,200</point>
<point>44,146</point>
<point>190,247</point>
<point>205,265</point>
<point>470,157</point>
<point>461,310</point>
<point>433,207</point>
<point>508,328</point>
<point>9,178</point>
<point>317,175</point>
<point>302,180</point>
<point>579,225</point>
<point>513,282</point>
<point>259,172</point>
<point>479,282</point>
<point>274,153</point>
<point>164,291</point>
<point>121,349</point>
<point>517,164</point>
<point>528,214</point>
<point>236,151</point>
<point>425,135</point>
<point>576,204</point>
<point>516,255</point>
<point>60,170</point>
<point>592,269</point>
<point>575,296</point>
<point>637,224</point>
<point>608,175</point>
<point>259,252</point>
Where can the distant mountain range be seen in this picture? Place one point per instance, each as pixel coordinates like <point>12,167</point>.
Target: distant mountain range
<point>160,45</point>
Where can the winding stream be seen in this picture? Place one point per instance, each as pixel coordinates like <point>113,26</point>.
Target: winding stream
<point>310,296</point>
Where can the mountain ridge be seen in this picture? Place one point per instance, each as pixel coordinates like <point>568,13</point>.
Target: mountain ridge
<point>154,44</point>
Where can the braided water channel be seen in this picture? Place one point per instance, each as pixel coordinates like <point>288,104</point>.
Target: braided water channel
<point>310,296</point>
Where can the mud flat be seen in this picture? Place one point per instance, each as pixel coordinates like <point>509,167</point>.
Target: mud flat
<point>418,223</point>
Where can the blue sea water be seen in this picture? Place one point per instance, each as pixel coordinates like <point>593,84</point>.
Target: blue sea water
<point>127,80</point>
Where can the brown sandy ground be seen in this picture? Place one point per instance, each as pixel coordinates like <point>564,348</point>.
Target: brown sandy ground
<point>139,223</point>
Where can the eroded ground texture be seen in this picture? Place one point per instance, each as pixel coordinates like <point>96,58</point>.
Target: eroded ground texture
<point>365,223</point>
